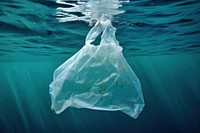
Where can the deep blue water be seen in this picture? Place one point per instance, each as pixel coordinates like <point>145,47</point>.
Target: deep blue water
<point>160,41</point>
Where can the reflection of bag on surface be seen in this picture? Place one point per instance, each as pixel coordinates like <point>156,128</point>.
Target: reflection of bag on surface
<point>97,77</point>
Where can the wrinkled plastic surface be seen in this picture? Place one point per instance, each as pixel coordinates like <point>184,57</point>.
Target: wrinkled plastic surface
<point>97,77</point>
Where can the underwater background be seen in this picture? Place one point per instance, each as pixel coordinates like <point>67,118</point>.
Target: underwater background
<point>160,40</point>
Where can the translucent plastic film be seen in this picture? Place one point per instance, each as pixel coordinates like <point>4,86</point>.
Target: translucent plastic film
<point>97,77</point>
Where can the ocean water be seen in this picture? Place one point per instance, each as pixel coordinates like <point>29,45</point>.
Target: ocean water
<point>160,40</point>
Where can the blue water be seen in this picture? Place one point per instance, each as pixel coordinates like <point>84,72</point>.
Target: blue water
<point>160,41</point>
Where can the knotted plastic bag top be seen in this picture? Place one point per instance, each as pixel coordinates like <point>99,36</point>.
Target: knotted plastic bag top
<point>97,77</point>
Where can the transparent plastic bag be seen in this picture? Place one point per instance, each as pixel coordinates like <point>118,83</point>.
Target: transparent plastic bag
<point>97,77</point>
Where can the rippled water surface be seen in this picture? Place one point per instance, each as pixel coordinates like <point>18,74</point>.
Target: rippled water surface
<point>148,27</point>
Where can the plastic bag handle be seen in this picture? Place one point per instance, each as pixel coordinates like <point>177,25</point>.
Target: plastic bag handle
<point>103,25</point>
<point>108,35</point>
<point>93,33</point>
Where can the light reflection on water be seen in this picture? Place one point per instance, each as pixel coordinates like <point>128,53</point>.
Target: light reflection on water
<point>31,29</point>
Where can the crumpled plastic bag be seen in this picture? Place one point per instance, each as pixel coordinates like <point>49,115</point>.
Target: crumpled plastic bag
<point>97,77</point>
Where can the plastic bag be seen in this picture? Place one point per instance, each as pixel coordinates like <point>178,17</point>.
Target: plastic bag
<point>97,77</point>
